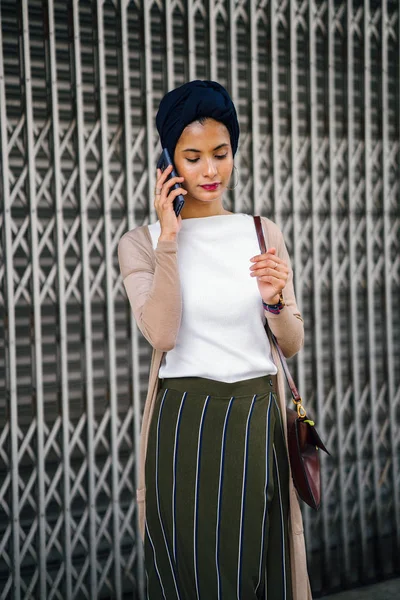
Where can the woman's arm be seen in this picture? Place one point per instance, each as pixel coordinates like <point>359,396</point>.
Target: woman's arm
<point>287,326</point>
<point>151,281</point>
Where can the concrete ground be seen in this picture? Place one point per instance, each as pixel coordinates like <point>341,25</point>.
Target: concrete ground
<point>387,590</point>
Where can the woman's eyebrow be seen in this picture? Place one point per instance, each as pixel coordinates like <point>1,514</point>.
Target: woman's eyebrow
<point>194,149</point>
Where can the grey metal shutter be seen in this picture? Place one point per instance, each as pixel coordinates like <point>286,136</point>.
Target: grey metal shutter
<point>316,84</point>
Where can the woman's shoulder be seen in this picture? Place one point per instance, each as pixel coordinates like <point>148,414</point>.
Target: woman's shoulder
<point>134,245</point>
<point>137,235</point>
<point>274,236</point>
<point>271,230</point>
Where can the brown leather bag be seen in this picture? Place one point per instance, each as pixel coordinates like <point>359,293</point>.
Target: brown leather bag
<point>302,436</point>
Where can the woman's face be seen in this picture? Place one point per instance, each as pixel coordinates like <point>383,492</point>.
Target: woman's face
<point>203,156</point>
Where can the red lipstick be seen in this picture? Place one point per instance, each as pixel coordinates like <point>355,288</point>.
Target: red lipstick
<point>210,187</point>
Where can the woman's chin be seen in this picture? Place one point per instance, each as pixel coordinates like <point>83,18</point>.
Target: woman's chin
<point>207,196</point>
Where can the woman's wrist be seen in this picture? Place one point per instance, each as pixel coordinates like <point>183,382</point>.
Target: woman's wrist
<point>274,300</point>
<point>167,237</point>
<point>276,307</point>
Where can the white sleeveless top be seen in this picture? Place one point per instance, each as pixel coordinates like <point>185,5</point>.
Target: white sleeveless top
<point>222,334</point>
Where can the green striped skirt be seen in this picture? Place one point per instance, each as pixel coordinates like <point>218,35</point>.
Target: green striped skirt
<point>217,492</point>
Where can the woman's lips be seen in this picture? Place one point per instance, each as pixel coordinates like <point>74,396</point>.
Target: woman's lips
<point>210,187</point>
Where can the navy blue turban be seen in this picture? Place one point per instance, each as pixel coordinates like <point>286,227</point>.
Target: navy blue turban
<point>190,102</point>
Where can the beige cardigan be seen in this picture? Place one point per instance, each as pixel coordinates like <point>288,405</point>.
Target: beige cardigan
<point>151,280</point>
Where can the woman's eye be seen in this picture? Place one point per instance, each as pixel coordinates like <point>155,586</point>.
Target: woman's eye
<point>192,160</point>
<point>221,156</point>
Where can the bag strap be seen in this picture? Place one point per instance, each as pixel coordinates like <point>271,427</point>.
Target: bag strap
<point>293,389</point>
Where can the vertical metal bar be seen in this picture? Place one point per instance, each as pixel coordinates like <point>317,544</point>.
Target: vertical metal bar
<point>316,268</point>
<point>149,108</point>
<point>297,225</point>
<point>213,39</point>
<point>294,123</point>
<point>129,183</point>
<point>11,365</point>
<point>35,303</point>
<point>87,318</point>
<point>62,309</point>
<point>389,266</point>
<point>169,43</point>
<point>234,83</point>
<point>108,255</point>
<point>336,321</point>
<point>334,251</point>
<point>370,267</point>
<point>355,363</point>
<point>275,114</point>
<point>255,106</point>
<point>191,38</point>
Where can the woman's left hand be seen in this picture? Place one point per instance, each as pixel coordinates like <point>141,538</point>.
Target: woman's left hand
<point>272,274</point>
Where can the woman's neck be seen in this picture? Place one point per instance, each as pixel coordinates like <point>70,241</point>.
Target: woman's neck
<point>193,210</point>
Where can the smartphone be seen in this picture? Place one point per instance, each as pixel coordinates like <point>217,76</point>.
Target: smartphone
<point>163,162</point>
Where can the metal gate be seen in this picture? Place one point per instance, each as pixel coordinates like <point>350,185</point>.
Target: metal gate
<point>316,84</point>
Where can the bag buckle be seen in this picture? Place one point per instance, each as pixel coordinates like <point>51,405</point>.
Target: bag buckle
<point>301,411</point>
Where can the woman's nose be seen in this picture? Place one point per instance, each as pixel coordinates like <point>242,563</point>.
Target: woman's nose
<point>211,168</point>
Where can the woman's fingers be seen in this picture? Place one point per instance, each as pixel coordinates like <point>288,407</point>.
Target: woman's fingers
<point>163,175</point>
<point>163,203</point>
<point>168,200</point>
<point>269,268</point>
<point>164,184</point>
<point>164,197</point>
<point>270,274</point>
<point>267,265</point>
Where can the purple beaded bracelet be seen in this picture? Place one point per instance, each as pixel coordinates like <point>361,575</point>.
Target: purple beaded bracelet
<point>274,308</point>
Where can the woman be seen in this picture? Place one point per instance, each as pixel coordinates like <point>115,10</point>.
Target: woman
<point>222,518</point>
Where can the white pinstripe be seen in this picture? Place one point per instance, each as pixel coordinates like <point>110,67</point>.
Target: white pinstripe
<point>221,464</point>
<point>282,523</point>
<point>243,494</point>
<point>174,476</point>
<point>158,495</point>
<point>267,436</point>
<point>196,496</point>
<point>155,564</point>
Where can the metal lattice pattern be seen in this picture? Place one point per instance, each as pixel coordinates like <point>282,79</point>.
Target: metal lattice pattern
<point>316,84</point>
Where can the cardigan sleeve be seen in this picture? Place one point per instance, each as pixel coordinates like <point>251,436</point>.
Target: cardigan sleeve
<point>287,326</point>
<point>151,281</point>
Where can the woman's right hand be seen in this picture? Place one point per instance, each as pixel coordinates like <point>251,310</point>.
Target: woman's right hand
<point>163,203</point>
